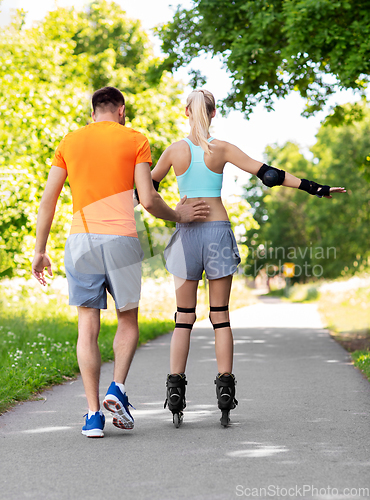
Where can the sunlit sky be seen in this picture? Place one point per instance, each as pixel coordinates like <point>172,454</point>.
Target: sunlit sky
<point>253,135</point>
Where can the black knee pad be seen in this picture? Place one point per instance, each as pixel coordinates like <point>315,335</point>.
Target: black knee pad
<point>188,310</point>
<point>216,309</point>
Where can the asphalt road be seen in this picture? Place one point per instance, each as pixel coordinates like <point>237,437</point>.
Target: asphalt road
<point>301,429</point>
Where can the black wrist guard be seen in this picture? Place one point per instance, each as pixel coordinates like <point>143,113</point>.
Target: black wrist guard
<point>155,184</point>
<point>313,188</point>
<point>271,176</point>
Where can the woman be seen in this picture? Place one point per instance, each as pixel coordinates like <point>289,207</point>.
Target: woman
<point>209,246</point>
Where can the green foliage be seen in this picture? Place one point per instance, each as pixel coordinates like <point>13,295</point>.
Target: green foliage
<point>272,48</point>
<point>303,293</point>
<point>241,221</point>
<point>47,75</point>
<point>332,235</point>
<point>342,155</point>
<point>346,114</point>
<point>361,360</point>
<point>37,106</point>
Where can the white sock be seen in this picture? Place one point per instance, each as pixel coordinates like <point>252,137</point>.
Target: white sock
<point>91,413</point>
<point>121,386</point>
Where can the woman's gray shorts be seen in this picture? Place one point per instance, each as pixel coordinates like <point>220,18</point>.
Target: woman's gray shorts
<point>202,246</point>
<point>96,263</point>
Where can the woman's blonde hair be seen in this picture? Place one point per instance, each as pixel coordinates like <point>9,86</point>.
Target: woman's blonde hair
<point>200,104</point>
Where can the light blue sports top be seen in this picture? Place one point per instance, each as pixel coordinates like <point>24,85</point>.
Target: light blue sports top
<point>199,181</point>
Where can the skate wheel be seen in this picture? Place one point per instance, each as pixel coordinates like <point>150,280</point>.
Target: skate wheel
<point>225,420</point>
<point>177,419</point>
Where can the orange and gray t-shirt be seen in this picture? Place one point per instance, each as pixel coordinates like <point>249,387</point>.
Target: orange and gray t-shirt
<point>100,161</point>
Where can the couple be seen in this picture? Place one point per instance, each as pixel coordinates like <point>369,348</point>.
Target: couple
<point>104,160</point>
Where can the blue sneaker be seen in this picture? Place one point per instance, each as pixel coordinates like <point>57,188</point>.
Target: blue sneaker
<point>94,425</point>
<point>118,404</point>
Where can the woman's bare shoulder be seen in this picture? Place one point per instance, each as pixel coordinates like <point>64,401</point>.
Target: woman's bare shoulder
<point>221,146</point>
<point>219,142</point>
<point>178,147</point>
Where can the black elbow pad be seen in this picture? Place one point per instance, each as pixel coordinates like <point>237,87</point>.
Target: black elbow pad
<point>271,176</point>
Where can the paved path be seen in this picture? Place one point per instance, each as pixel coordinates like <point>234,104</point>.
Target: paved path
<point>301,429</point>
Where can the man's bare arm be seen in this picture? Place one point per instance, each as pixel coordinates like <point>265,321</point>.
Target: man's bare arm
<point>54,185</point>
<point>154,204</point>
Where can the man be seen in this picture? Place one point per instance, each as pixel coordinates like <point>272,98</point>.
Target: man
<point>103,162</point>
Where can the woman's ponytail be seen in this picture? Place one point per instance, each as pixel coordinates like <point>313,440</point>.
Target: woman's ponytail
<point>201,104</point>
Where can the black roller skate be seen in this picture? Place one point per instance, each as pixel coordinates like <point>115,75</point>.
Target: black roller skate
<point>225,391</point>
<point>176,396</point>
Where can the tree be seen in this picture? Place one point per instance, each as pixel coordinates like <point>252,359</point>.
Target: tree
<point>47,75</point>
<point>108,48</point>
<point>342,158</point>
<point>281,214</point>
<point>39,103</point>
<point>274,47</point>
<point>324,237</point>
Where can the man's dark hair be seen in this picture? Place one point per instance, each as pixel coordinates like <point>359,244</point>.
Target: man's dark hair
<point>107,99</point>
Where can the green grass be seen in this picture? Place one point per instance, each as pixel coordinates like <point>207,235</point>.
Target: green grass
<point>361,360</point>
<point>38,345</point>
<point>347,315</point>
<point>297,293</point>
<point>347,311</point>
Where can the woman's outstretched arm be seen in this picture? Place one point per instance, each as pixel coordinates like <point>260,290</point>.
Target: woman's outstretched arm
<point>271,176</point>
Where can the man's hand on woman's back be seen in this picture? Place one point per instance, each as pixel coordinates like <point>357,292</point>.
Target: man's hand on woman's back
<point>193,211</point>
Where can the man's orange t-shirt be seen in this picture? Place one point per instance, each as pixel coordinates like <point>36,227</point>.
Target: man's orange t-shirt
<point>100,161</point>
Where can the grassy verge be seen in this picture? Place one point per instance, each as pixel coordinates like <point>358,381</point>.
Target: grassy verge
<point>347,315</point>
<point>361,360</point>
<point>38,342</point>
<point>297,293</point>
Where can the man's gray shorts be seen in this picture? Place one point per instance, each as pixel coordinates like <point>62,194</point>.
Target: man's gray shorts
<point>96,263</point>
<point>202,246</point>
